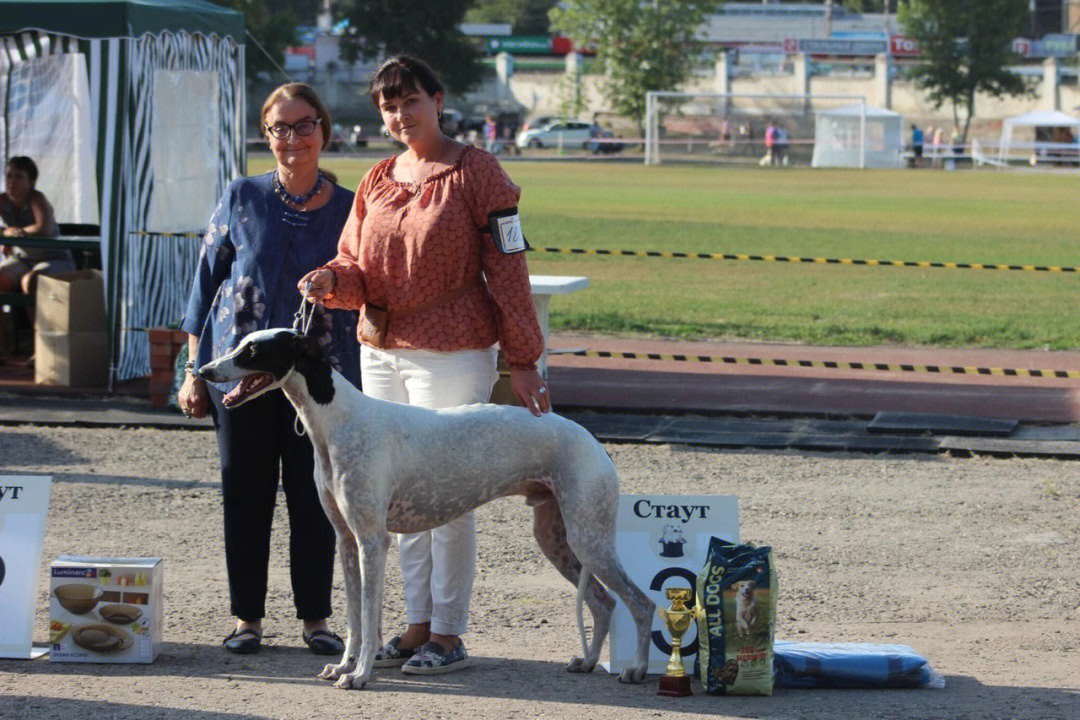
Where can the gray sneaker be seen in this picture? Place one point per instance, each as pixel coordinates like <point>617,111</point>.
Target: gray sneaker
<point>432,660</point>
<point>390,655</point>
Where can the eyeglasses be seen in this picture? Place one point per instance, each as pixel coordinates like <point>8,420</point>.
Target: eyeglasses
<point>302,129</point>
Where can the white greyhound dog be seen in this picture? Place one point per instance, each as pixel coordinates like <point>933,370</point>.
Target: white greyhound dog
<point>384,467</point>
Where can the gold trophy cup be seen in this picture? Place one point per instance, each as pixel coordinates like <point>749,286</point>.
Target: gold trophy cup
<point>675,682</point>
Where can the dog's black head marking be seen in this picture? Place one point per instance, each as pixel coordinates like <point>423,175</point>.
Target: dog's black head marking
<point>311,363</point>
<point>275,354</point>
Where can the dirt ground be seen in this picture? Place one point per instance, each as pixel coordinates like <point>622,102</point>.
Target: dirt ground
<point>973,562</point>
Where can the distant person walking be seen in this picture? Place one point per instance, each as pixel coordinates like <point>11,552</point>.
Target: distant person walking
<point>780,148</point>
<point>916,145</point>
<point>725,134</point>
<point>491,135</point>
<point>770,144</point>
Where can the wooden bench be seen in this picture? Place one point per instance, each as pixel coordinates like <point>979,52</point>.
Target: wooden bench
<point>85,246</point>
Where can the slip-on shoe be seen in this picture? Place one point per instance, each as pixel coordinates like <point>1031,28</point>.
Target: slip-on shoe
<point>243,642</point>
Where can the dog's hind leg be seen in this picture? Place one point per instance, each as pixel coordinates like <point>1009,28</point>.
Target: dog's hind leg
<point>591,535</point>
<point>550,532</point>
<point>604,563</point>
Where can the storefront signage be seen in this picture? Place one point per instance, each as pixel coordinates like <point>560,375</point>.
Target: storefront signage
<point>837,46</point>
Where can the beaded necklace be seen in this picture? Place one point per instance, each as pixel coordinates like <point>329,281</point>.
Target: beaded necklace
<point>298,200</point>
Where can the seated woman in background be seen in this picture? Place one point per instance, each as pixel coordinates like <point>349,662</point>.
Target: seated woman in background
<point>26,212</point>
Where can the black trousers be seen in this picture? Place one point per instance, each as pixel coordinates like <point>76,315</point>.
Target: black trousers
<point>255,440</point>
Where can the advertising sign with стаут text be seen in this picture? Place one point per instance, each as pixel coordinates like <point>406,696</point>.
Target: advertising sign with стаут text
<point>24,508</point>
<point>661,541</point>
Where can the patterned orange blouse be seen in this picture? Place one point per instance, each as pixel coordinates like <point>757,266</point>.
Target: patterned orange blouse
<point>405,245</point>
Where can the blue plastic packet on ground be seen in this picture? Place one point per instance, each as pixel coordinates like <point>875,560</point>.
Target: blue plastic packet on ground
<point>851,666</point>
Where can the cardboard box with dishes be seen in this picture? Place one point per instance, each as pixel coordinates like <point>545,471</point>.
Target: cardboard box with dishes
<point>105,610</point>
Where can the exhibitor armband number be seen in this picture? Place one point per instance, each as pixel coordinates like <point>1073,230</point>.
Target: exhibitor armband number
<point>505,229</point>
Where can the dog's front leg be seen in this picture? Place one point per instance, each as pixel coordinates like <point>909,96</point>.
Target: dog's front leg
<point>350,567</point>
<point>349,554</point>
<point>373,547</point>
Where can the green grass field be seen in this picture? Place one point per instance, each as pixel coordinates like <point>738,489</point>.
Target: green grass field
<point>1027,218</point>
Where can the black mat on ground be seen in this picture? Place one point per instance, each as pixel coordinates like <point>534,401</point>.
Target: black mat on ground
<point>44,410</point>
<point>916,423</point>
<point>1061,441</point>
<point>1062,450</point>
<point>617,427</point>
<point>723,439</point>
<point>1047,433</point>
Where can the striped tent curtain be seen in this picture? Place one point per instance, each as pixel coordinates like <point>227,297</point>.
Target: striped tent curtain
<point>147,275</point>
<point>106,66</point>
<point>157,268</point>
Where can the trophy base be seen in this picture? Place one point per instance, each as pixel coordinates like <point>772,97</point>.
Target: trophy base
<point>674,686</point>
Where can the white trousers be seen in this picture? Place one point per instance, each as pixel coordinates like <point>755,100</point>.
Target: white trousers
<point>437,566</point>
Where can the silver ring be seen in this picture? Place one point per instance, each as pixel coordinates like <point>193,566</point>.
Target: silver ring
<point>541,391</point>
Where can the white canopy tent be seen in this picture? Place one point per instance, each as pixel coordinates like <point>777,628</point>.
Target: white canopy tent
<point>842,140</point>
<point>1036,119</point>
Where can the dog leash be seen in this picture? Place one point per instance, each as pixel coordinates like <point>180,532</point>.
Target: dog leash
<point>302,324</point>
<point>303,317</point>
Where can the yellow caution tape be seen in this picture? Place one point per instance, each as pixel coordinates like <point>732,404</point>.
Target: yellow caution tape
<point>834,364</point>
<point>809,260</point>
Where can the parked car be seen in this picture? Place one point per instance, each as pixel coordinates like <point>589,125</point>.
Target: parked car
<point>597,146</point>
<point>453,122</point>
<point>356,137</point>
<point>541,120</point>
<point>570,133</point>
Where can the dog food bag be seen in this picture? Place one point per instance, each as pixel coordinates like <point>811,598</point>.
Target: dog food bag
<point>736,604</point>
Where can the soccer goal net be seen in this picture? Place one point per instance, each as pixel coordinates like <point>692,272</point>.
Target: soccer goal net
<point>823,130</point>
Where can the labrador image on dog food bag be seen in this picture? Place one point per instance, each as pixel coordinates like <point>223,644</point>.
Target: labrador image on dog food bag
<point>736,596</point>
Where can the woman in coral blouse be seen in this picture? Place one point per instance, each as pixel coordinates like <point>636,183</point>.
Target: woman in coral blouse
<point>433,256</point>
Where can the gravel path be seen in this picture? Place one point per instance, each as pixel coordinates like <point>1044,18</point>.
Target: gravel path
<point>973,562</point>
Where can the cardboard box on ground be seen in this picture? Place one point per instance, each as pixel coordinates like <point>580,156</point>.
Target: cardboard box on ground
<point>71,341</point>
<point>105,610</point>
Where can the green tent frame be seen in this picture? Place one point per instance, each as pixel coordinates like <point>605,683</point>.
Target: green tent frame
<point>147,274</point>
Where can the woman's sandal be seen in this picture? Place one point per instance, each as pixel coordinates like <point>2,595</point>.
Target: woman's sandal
<point>243,642</point>
<point>324,642</point>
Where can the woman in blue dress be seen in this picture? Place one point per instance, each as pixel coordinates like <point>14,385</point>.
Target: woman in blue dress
<point>266,233</point>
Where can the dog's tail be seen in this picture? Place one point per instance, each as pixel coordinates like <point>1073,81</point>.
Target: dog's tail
<point>583,583</point>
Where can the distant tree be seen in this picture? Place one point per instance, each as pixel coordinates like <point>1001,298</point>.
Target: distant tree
<point>428,30</point>
<point>272,27</point>
<point>641,46</point>
<point>862,6</point>
<point>869,6</point>
<point>966,49</point>
<point>525,17</point>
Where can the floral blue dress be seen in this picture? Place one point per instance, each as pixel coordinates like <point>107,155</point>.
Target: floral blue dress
<point>254,253</point>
